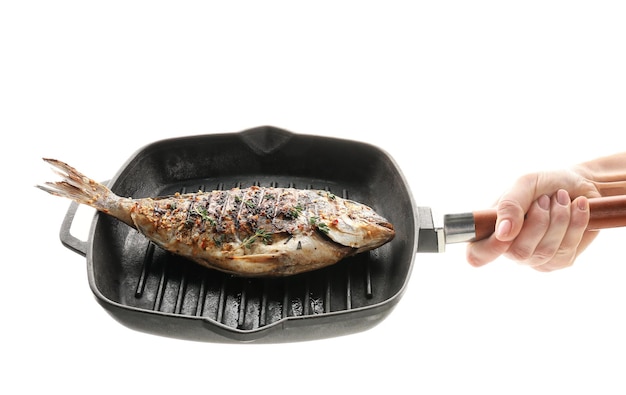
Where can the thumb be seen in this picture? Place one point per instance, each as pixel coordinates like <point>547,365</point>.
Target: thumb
<point>510,218</point>
<point>514,204</point>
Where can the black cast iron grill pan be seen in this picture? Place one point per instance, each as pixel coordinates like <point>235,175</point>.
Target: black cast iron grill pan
<point>150,290</point>
<point>153,291</point>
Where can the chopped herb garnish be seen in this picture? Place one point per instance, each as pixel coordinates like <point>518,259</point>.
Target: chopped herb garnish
<point>250,204</point>
<point>262,234</point>
<point>202,212</point>
<point>296,211</point>
<point>329,195</point>
<point>321,226</point>
<point>237,199</point>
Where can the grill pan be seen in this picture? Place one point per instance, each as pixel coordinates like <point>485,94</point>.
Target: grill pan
<point>150,290</point>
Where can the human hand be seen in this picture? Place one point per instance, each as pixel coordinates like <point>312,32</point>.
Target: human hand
<point>538,224</point>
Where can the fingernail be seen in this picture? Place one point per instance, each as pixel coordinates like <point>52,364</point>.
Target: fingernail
<point>544,202</point>
<point>583,203</point>
<point>562,197</point>
<point>504,228</point>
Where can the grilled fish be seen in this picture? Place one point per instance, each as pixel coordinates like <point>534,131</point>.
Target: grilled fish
<point>255,231</point>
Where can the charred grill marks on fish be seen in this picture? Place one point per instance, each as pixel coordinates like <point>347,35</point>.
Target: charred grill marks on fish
<point>254,231</point>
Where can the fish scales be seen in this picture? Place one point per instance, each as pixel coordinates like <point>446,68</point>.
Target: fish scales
<point>255,231</point>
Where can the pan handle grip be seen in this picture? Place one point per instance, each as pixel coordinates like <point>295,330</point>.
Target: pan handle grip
<point>604,212</point>
<point>67,239</point>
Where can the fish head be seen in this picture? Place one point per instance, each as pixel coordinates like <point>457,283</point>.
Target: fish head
<point>360,227</point>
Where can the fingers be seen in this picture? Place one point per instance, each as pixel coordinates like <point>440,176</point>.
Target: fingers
<point>536,223</point>
<point>546,227</point>
<point>483,252</point>
<point>511,209</point>
<point>526,190</point>
<point>548,238</point>
<point>570,245</point>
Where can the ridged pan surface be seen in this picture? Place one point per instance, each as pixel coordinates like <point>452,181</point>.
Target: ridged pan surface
<point>154,291</point>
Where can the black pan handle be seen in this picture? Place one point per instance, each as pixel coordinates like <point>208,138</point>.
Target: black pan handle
<point>68,240</point>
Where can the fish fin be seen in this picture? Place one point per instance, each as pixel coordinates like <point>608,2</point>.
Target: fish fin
<point>74,185</point>
<point>82,189</point>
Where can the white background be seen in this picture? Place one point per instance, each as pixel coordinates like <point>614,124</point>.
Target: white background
<point>465,95</point>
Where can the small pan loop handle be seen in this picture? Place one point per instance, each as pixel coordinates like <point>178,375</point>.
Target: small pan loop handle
<point>265,140</point>
<point>67,239</point>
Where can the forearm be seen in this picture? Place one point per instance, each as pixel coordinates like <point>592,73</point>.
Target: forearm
<point>607,173</point>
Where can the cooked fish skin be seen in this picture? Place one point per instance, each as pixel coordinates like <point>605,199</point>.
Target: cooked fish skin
<point>252,232</point>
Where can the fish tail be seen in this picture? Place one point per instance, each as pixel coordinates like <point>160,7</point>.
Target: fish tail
<point>82,189</point>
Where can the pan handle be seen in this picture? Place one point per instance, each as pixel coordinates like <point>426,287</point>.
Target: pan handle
<point>67,239</point>
<point>604,212</point>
